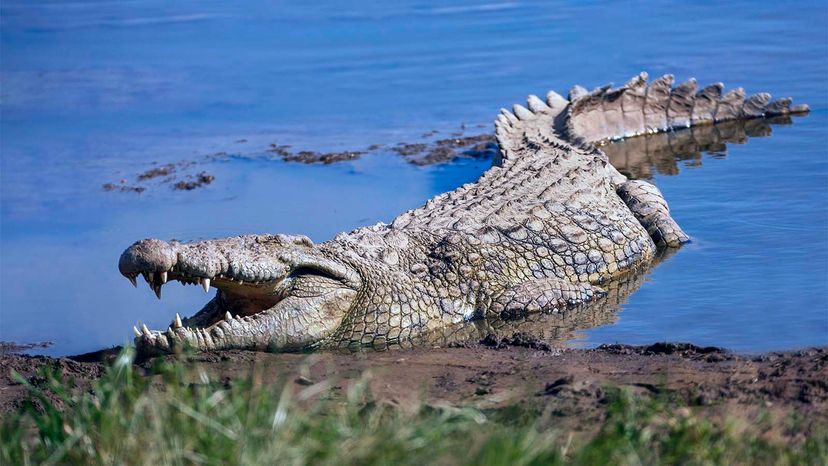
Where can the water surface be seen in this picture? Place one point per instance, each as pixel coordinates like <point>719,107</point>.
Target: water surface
<point>93,92</point>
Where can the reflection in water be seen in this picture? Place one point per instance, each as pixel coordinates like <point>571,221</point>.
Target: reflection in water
<point>638,157</point>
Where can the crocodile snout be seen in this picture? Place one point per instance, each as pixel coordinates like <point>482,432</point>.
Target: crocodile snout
<point>147,255</point>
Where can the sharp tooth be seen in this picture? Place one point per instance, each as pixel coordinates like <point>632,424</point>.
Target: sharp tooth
<point>157,289</point>
<point>147,277</point>
<point>177,321</point>
<point>145,330</point>
<point>228,316</point>
<point>135,331</point>
<point>205,283</point>
<point>163,277</point>
<point>133,281</point>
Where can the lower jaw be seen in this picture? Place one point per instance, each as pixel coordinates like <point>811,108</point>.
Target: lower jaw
<point>214,327</point>
<point>229,332</point>
<point>233,321</point>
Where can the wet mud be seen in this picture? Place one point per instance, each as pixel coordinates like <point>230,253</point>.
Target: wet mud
<point>179,176</point>
<point>10,347</point>
<point>194,182</point>
<point>498,373</point>
<point>171,174</point>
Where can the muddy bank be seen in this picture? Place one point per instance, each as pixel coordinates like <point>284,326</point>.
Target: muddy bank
<point>172,174</point>
<point>11,347</point>
<point>496,374</point>
<point>182,176</point>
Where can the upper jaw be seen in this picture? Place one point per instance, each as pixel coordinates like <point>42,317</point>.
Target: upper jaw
<point>266,289</point>
<point>224,262</point>
<point>227,262</point>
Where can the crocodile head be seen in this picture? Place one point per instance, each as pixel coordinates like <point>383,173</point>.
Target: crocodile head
<point>274,291</point>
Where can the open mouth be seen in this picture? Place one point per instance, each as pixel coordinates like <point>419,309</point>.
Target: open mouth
<point>236,308</point>
<point>274,291</point>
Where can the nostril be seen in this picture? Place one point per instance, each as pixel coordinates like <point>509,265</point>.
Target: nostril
<point>148,255</point>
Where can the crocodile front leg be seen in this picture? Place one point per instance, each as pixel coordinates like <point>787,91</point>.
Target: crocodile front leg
<point>542,295</point>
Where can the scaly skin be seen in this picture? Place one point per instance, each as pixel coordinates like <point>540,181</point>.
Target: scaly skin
<point>542,231</point>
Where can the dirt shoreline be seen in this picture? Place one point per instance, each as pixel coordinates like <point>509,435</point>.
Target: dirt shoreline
<point>499,374</point>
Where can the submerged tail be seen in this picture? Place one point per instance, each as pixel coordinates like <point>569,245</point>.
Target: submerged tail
<point>607,113</point>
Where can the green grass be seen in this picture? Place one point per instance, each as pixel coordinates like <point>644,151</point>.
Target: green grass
<point>182,417</point>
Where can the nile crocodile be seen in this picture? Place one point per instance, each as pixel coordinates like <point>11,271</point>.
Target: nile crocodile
<point>548,227</point>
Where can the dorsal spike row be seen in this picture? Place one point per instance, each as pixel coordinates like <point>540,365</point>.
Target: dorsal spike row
<point>577,92</point>
<point>680,108</point>
<point>591,100</point>
<point>522,112</point>
<point>555,101</point>
<point>536,105</point>
<point>656,103</point>
<point>705,104</point>
<point>591,118</point>
<point>755,105</point>
<point>730,105</point>
<point>639,80</point>
<point>509,116</point>
<point>780,106</point>
<point>637,108</point>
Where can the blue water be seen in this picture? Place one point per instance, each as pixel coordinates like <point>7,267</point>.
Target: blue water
<point>94,92</point>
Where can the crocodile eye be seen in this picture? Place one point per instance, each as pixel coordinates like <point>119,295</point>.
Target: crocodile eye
<point>310,282</point>
<point>307,271</point>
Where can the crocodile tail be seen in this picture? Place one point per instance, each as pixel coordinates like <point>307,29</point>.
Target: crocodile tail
<point>636,108</point>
